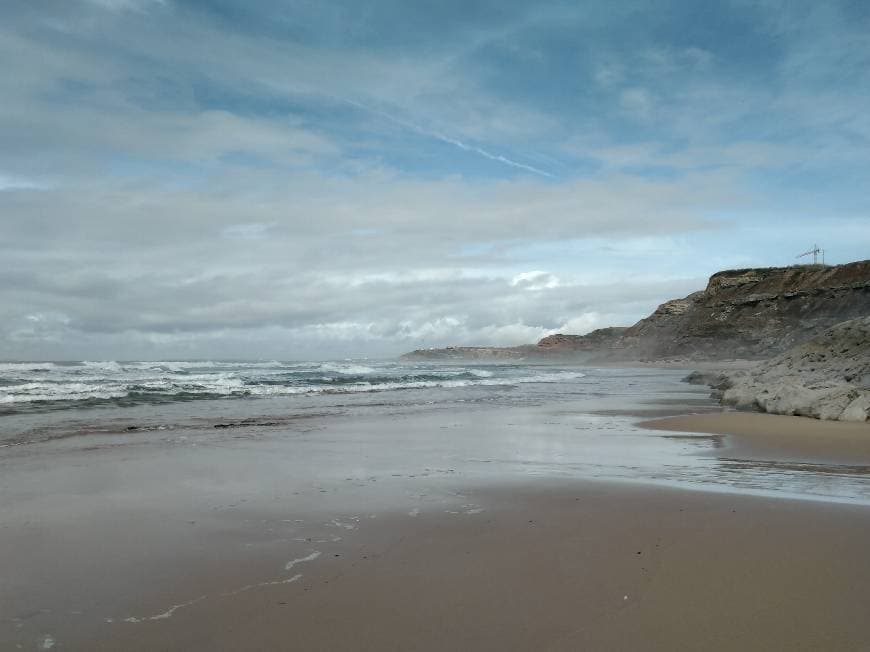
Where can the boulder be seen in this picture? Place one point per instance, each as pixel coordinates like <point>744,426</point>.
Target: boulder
<point>857,410</point>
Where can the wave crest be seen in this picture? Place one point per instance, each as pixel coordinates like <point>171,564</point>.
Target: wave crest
<point>61,385</point>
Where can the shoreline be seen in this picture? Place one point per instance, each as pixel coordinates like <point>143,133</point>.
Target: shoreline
<point>478,527</point>
<point>762,436</point>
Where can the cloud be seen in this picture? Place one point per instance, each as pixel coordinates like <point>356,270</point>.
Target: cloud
<point>535,280</point>
<point>274,315</point>
<point>293,178</point>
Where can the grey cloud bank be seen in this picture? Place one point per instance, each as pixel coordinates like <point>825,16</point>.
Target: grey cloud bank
<point>183,179</point>
<point>302,279</point>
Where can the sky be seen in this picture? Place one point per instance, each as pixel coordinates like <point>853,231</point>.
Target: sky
<point>302,179</point>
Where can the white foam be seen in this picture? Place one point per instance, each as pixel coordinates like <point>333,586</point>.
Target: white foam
<point>290,564</point>
<point>171,611</point>
<point>166,614</point>
<point>111,380</point>
<point>26,366</point>
<point>30,392</point>
<point>346,368</point>
<point>104,365</point>
<point>258,585</point>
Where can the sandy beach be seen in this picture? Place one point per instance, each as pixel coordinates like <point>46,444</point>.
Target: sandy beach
<point>560,567</point>
<point>757,436</point>
<point>538,525</point>
<point>425,326</point>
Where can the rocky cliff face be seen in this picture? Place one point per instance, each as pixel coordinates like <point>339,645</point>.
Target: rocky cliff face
<point>746,313</point>
<point>827,377</point>
<point>597,340</point>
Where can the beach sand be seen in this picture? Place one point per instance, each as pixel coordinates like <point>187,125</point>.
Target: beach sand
<point>757,436</point>
<point>445,530</point>
<point>573,566</point>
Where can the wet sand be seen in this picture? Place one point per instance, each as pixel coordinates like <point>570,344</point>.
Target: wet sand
<point>465,529</point>
<point>757,436</point>
<point>567,566</point>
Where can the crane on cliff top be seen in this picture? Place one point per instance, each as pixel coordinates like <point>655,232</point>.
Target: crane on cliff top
<point>815,251</point>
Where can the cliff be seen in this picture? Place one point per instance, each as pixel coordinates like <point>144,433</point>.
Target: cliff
<point>482,353</point>
<point>601,339</point>
<point>553,348</point>
<point>749,314</point>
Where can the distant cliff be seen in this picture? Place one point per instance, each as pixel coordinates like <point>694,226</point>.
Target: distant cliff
<point>484,353</point>
<point>745,313</point>
<point>749,313</point>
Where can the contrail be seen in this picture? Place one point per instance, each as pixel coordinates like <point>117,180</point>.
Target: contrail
<point>450,141</point>
<point>491,156</point>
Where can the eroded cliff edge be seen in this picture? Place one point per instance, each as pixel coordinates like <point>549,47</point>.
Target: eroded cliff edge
<point>746,313</point>
<point>750,314</point>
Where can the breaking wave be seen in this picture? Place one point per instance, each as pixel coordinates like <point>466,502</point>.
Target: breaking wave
<point>60,385</point>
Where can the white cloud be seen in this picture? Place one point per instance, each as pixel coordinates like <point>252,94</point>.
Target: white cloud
<point>204,186</point>
<point>589,321</point>
<point>535,281</point>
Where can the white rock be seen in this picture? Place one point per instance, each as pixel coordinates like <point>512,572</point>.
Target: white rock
<point>857,410</point>
<point>823,378</point>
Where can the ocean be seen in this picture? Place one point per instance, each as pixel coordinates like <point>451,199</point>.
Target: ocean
<point>41,401</point>
<point>135,494</point>
<point>560,421</point>
<point>40,386</point>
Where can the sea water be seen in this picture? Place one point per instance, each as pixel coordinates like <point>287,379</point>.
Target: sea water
<point>489,422</point>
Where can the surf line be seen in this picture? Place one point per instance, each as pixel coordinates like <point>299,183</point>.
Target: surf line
<point>290,564</point>
<point>171,611</point>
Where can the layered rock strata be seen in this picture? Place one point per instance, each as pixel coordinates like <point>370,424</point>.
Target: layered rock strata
<point>741,314</point>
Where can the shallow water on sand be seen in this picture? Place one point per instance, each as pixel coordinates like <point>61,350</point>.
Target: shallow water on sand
<point>496,422</point>
<point>90,493</point>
